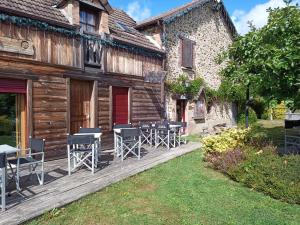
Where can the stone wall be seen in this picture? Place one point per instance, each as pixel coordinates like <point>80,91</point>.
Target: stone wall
<point>208,29</point>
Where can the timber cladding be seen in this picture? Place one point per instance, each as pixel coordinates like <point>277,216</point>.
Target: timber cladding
<point>49,113</point>
<point>50,108</point>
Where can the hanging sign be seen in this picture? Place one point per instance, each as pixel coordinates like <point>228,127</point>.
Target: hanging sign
<point>18,46</point>
<point>155,77</point>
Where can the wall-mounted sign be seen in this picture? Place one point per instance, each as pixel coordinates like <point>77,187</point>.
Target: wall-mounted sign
<point>155,77</point>
<point>18,46</point>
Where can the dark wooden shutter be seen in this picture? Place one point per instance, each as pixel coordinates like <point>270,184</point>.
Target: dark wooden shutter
<point>187,53</point>
<point>13,86</point>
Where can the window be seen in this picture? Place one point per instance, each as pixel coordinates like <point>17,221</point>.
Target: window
<point>124,27</point>
<point>187,53</point>
<point>88,20</point>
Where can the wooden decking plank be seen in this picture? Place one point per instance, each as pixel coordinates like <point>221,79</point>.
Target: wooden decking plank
<point>68,189</point>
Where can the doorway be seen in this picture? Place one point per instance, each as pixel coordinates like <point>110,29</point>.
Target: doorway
<point>13,112</point>
<point>180,110</point>
<point>80,104</point>
<point>120,101</point>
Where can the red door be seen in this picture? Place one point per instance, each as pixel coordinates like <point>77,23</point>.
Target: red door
<point>120,105</point>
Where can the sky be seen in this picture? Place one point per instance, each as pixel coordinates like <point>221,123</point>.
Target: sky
<point>241,11</point>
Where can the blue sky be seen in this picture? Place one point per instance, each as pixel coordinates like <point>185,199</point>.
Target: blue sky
<point>241,11</point>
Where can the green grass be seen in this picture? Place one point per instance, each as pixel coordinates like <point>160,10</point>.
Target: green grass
<point>182,191</point>
<point>272,129</point>
<point>194,138</point>
<point>9,140</point>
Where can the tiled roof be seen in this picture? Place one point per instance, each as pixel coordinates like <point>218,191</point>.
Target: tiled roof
<point>37,9</point>
<point>175,11</point>
<point>132,36</point>
<point>167,14</point>
<point>44,10</point>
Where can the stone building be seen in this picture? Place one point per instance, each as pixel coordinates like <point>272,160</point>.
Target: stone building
<point>193,35</point>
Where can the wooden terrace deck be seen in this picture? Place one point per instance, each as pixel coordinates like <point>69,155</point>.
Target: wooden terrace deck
<point>61,189</point>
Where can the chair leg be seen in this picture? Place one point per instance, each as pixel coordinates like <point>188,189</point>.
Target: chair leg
<point>18,176</point>
<point>3,191</point>
<point>69,161</point>
<point>139,149</point>
<point>42,174</point>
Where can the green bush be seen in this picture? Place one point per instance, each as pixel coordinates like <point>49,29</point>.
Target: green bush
<point>267,172</point>
<point>252,118</point>
<point>225,141</point>
<point>6,126</point>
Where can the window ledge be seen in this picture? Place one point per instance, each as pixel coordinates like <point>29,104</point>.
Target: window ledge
<point>189,69</point>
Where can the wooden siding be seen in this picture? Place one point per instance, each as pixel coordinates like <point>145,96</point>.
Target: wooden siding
<point>122,61</point>
<point>48,47</point>
<point>50,113</point>
<point>145,103</point>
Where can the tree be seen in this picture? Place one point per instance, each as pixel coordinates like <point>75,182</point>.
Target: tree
<point>267,59</point>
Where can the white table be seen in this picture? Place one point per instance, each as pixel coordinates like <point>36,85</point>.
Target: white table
<point>8,149</point>
<point>174,126</point>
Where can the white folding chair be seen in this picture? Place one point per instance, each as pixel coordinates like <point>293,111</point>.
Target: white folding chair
<point>146,133</point>
<point>130,142</point>
<point>98,142</point>
<point>117,136</point>
<point>2,180</point>
<point>162,135</point>
<point>33,159</point>
<point>81,150</point>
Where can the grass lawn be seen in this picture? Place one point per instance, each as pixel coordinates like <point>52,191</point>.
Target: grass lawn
<point>182,191</point>
<point>272,129</point>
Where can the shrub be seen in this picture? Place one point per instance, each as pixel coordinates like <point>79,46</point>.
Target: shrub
<point>225,141</point>
<point>224,161</point>
<point>267,172</point>
<point>252,118</point>
<point>279,111</point>
<point>6,126</point>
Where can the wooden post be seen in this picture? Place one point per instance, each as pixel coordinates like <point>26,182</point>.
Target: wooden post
<point>130,105</point>
<point>110,108</point>
<point>29,109</point>
<point>247,106</point>
<point>95,104</point>
<point>68,120</point>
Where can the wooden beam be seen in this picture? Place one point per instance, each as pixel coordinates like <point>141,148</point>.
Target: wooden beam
<point>94,108</point>
<point>110,108</point>
<point>130,104</point>
<point>68,119</point>
<point>29,108</point>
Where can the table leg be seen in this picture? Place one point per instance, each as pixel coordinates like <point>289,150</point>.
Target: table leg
<point>3,187</point>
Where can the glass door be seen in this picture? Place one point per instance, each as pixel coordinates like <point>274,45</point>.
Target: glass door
<point>13,119</point>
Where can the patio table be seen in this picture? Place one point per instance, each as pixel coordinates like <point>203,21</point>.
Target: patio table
<point>7,149</point>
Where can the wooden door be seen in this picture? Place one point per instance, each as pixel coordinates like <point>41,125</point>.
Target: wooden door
<point>180,106</point>
<point>80,104</point>
<point>120,105</point>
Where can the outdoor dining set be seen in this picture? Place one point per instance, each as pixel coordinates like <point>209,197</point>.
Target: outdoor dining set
<point>84,148</point>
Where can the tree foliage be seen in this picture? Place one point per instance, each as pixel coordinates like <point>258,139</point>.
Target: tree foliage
<point>267,59</point>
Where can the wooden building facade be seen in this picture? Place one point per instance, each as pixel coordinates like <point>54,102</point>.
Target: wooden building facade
<point>75,63</point>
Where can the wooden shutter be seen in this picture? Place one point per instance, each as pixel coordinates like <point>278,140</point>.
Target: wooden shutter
<point>187,53</point>
<point>13,86</point>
